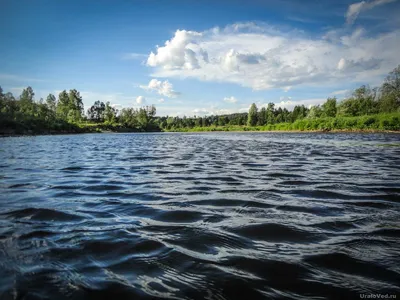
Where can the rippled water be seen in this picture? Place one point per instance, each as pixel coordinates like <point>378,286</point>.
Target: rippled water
<point>199,216</point>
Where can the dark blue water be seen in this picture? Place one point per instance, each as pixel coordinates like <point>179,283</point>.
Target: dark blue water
<point>199,216</point>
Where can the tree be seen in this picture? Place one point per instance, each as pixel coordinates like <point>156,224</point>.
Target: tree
<point>362,102</point>
<point>262,117</point>
<point>63,105</point>
<point>329,108</point>
<point>96,111</point>
<point>270,113</point>
<point>314,112</point>
<point>51,103</point>
<point>2,100</point>
<point>205,122</point>
<point>252,117</point>
<point>390,92</point>
<point>110,113</point>
<point>10,105</point>
<point>222,121</point>
<point>391,84</point>
<point>26,101</point>
<point>75,106</point>
<point>299,112</point>
<point>145,116</point>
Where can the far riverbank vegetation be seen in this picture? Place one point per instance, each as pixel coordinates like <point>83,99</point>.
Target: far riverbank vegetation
<point>366,109</point>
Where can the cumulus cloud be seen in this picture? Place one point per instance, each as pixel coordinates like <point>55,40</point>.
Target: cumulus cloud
<point>360,65</point>
<point>179,52</point>
<point>161,100</point>
<point>230,99</point>
<point>356,8</point>
<point>202,111</point>
<point>213,111</point>
<point>140,100</point>
<point>263,57</point>
<point>163,88</point>
<point>289,104</point>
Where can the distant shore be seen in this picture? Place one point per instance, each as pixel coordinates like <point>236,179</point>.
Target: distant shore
<point>360,131</point>
<point>379,123</point>
<point>292,131</point>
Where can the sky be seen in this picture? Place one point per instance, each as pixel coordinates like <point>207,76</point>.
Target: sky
<point>198,57</point>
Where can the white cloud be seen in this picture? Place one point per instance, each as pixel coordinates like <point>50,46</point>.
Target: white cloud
<point>163,88</point>
<point>341,64</point>
<point>117,106</point>
<point>90,97</point>
<point>161,100</point>
<point>287,89</point>
<point>179,52</point>
<point>262,57</point>
<point>289,104</point>
<point>140,100</point>
<point>214,111</point>
<point>230,99</point>
<point>202,111</point>
<point>356,8</point>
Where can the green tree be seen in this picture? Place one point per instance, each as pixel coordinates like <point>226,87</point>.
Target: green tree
<point>329,108</point>
<point>252,117</point>
<point>96,111</point>
<point>75,112</point>
<point>262,117</point>
<point>2,100</point>
<point>63,105</point>
<point>110,113</point>
<point>222,121</point>
<point>26,101</point>
<point>362,102</point>
<point>51,103</point>
<point>299,112</point>
<point>145,116</point>
<point>314,112</point>
<point>270,115</point>
<point>390,92</point>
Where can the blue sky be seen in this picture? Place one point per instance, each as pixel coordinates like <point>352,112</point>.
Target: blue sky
<point>198,57</point>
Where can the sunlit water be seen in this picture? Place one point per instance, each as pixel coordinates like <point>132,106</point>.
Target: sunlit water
<point>199,216</point>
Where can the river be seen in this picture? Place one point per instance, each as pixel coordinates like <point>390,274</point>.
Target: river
<point>200,216</point>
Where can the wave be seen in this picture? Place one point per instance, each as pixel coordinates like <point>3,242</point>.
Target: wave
<point>199,216</point>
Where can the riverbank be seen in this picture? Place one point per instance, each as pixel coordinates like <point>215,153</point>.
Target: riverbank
<point>365,124</point>
<point>74,129</point>
<point>381,123</point>
<point>291,131</point>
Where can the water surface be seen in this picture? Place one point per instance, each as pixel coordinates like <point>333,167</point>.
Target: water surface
<point>199,216</point>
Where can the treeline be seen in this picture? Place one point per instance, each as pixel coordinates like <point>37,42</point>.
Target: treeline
<point>366,108</point>
<point>65,114</point>
<point>383,101</point>
<point>136,119</point>
<point>25,115</point>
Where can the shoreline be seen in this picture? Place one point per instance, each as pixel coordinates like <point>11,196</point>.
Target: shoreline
<point>356,131</point>
<point>294,131</point>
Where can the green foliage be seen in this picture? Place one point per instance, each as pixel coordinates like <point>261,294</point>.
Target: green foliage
<point>252,117</point>
<point>365,109</point>
<point>329,108</point>
<point>141,119</point>
<point>96,112</point>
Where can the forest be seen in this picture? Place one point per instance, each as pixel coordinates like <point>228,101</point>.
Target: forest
<point>365,109</point>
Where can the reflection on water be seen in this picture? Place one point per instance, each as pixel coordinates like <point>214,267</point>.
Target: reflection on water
<point>199,216</point>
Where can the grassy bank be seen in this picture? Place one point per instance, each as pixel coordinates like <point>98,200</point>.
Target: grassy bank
<point>32,127</point>
<point>368,123</point>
